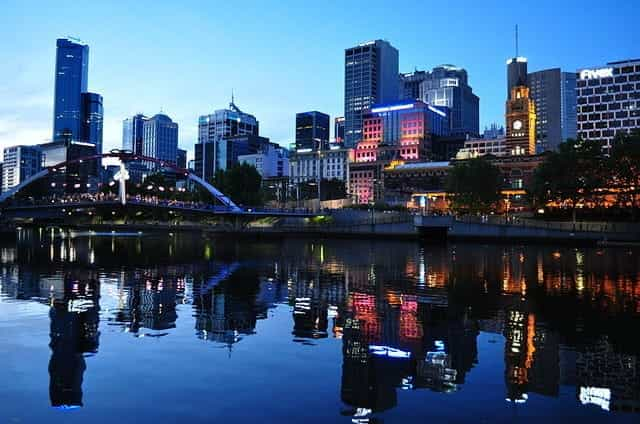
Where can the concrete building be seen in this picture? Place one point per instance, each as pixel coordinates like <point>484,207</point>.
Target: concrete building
<point>481,147</point>
<point>338,130</point>
<point>608,101</point>
<point>448,86</point>
<point>20,163</point>
<point>371,77</point>
<point>160,138</point>
<point>312,130</point>
<point>229,149</point>
<point>330,164</point>
<point>554,94</point>
<point>270,162</point>
<point>212,129</point>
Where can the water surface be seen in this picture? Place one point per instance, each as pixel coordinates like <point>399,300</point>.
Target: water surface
<point>102,328</point>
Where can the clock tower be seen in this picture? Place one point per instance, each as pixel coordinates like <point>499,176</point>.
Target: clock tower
<point>521,122</point>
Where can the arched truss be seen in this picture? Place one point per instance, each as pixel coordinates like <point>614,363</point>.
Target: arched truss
<point>126,157</point>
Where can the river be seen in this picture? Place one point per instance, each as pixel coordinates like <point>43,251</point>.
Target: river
<point>109,328</point>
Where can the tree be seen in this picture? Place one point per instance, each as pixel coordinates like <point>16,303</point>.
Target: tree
<point>569,177</point>
<point>242,183</point>
<point>624,166</point>
<point>474,186</point>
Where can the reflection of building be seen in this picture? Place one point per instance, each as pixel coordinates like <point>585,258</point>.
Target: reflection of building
<point>74,331</point>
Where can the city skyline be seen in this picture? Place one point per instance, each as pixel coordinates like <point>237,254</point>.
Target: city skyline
<point>273,88</point>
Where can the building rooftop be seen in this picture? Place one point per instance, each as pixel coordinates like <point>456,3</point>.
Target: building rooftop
<point>421,165</point>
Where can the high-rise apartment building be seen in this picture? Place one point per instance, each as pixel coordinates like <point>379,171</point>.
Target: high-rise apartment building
<point>312,130</point>
<point>160,138</point>
<point>20,163</point>
<point>212,129</point>
<point>371,77</point>
<point>448,86</point>
<point>133,133</point>
<point>554,95</point>
<point>608,101</point>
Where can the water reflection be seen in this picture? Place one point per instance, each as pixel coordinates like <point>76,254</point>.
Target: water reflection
<point>409,318</point>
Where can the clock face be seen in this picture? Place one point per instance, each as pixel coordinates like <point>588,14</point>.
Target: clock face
<point>517,124</point>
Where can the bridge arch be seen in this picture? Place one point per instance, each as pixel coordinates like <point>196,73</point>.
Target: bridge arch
<point>126,157</point>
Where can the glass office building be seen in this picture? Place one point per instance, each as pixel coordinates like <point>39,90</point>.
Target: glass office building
<point>312,130</point>
<point>371,77</point>
<point>160,138</point>
<point>133,133</point>
<point>93,117</point>
<point>72,62</point>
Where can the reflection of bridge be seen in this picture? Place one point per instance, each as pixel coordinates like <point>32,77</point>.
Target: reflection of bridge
<point>49,208</point>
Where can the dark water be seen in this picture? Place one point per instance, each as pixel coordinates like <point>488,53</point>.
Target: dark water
<point>176,328</point>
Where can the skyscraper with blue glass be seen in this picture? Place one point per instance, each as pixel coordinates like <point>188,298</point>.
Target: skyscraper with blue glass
<point>160,138</point>
<point>72,63</point>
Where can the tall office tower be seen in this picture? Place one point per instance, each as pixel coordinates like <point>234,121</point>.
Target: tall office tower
<point>72,62</point>
<point>608,101</point>
<point>133,133</point>
<point>338,130</point>
<point>448,86</point>
<point>553,92</point>
<point>160,138</point>
<point>312,130</point>
<point>181,160</point>
<point>410,84</point>
<point>370,77</point>
<point>92,120</point>
<point>212,129</point>
<point>521,122</point>
<point>20,163</point>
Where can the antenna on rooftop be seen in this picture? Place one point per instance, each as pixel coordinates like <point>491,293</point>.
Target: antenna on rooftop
<point>516,40</point>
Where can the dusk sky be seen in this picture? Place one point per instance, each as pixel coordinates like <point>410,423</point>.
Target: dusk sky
<point>185,57</point>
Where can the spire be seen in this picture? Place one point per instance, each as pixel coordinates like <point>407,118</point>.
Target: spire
<point>516,40</point>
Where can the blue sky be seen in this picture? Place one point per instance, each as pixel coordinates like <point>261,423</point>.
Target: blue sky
<point>185,57</point>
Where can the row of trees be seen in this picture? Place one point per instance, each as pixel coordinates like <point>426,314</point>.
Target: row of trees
<point>577,176</point>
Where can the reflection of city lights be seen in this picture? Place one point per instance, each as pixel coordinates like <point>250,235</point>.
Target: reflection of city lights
<point>556,255</point>
<point>596,396</point>
<point>391,352</point>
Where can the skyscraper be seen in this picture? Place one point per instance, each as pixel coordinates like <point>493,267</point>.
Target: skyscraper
<point>182,159</point>
<point>133,133</point>
<point>371,77</point>
<point>553,92</point>
<point>312,130</point>
<point>448,86</point>
<point>410,84</point>
<point>160,138</point>
<point>72,62</point>
<point>212,129</point>
<point>92,120</point>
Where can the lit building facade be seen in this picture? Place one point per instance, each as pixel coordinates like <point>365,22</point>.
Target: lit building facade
<point>448,86</point>
<point>396,132</point>
<point>481,146</point>
<point>554,94</point>
<point>371,77</point>
<point>160,138</point>
<point>608,101</point>
<point>212,129</point>
<point>312,130</point>
<point>133,133</point>
<point>521,122</point>
<point>20,163</point>
<point>516,73</point>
